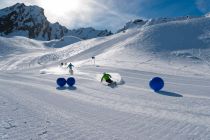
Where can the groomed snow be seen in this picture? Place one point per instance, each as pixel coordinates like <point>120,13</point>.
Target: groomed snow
<point>33,107</point>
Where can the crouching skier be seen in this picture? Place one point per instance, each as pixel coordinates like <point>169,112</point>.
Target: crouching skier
<point>107,77</point>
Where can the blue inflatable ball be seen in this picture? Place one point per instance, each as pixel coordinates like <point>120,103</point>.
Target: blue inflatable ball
<point>156,84</point>
<point>70,81</point>
<point>61,82</point>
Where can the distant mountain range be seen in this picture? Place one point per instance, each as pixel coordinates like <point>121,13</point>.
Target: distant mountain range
<point>30,21</point>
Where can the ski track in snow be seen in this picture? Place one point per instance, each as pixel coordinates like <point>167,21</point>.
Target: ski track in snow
<point>32,107</point>
<point>40,111</point>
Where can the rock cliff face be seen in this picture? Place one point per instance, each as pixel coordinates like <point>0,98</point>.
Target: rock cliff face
<point>30,21</point>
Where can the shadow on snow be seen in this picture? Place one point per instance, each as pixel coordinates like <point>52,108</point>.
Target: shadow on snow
<point>66,88</point>
<point>166,93</point>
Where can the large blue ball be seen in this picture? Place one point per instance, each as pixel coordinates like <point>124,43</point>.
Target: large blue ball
<point>61,82</point>
<point>70,81</point>
<point>156,84</point>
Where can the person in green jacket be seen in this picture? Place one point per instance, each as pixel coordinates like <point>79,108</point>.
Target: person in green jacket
<point>107,77</point>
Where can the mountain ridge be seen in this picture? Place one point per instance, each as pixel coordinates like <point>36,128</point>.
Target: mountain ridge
<point>31,22</point>
<point>136,23</point>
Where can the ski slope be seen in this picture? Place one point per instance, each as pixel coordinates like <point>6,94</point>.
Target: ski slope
<point>176,47</point>
<point>32,107</point>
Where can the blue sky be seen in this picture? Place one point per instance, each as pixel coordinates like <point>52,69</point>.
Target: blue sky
<point>113,14</point>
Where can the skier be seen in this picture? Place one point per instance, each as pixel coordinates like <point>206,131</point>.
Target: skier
<point>107,77</point>
<point>70,66</point>
<point>94,60</point>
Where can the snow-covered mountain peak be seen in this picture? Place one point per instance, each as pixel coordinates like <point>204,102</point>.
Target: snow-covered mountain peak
<point>28,21</point>
<point>26,11</point>
<point>31,22</point>
<point>17,6</point>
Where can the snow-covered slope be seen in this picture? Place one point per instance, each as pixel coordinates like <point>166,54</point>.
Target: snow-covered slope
<point>18,45</point>
<point>30,21</point>
<point>88,33</point>
<point>64,41</point>
<point>173,47</point>
<point>32,107</point>
<point>21,51</point>
<point>147,22</point>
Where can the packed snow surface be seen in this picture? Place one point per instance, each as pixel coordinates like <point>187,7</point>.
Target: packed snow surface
<point>32,107</point>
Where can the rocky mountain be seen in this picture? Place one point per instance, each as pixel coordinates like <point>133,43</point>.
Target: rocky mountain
<point>30,21</point>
